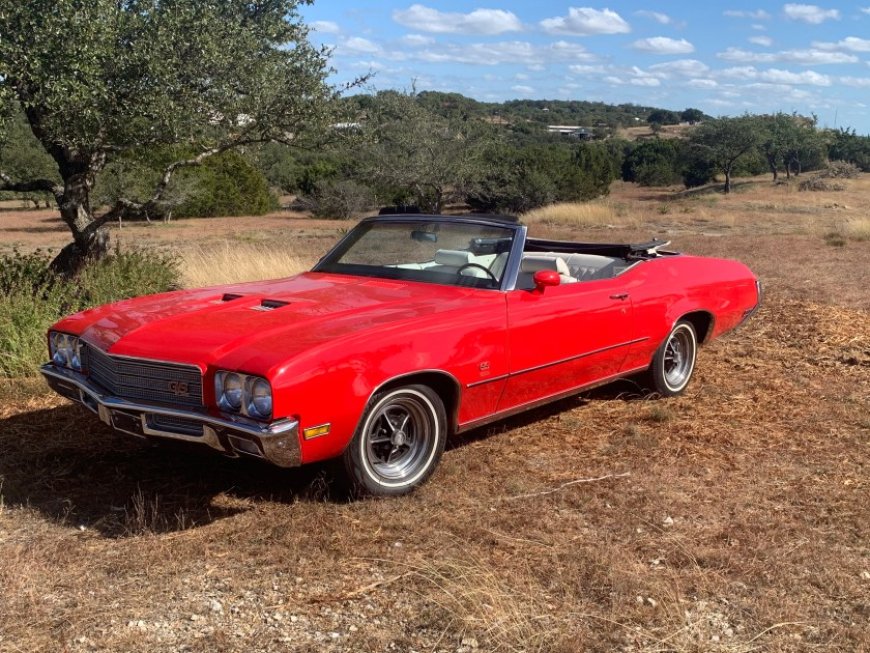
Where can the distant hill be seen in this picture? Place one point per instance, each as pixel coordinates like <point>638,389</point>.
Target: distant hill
<point>540,112</point>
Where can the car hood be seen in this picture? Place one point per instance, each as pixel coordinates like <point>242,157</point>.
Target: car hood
<point>241,325</point>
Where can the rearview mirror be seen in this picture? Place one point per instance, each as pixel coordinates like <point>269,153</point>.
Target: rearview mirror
<point>546,279</point>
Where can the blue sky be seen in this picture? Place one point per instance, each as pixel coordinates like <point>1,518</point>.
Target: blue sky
<point>724,58</point>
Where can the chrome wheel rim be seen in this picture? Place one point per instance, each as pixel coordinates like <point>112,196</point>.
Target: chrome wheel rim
<point>679,358</point>
<point>399,438</point>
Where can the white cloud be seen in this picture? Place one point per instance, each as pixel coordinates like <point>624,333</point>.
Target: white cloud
<point>521,77</point>
<point>571,51</point>
<point>417,40</point>
<point>866,10</point>
<point>764,41</point>
<point>858,82</point>
<point>758,27</point>
<point>582,21</point>
<point>584,69</point>
<point>360,45</point>
<point>685,67</point>
<point>804,57</point>
<point>811,14</point>
<point>512,52</point>
<point>807,77</point>
<point>851,43</point>
<point>638,77</point>
<point>369,65</point>
<point>703,83</point>
<point>479,21</point>
<point>754,15</point>
<point>325,27</point>
<point>740,72</point>
<point>489,54</point>
<point>660,18</point>
<point>663,45</point>
<point>525,90</point>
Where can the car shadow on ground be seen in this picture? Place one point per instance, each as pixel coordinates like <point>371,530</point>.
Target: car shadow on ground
<point>75,471</point>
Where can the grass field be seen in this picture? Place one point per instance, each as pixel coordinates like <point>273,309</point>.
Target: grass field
<point>733,519</point>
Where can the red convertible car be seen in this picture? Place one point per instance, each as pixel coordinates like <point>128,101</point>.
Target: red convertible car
<point>412,328</point>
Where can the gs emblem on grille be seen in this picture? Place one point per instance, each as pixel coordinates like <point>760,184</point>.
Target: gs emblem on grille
<point>179,388</point>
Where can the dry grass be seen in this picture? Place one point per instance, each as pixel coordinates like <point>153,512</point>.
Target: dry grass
<point>729,520</point>
<point>858,229</point>
<point>575,214</point>
<point>233,262</point>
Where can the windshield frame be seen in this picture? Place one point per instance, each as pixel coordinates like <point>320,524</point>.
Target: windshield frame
<point>508,278</point>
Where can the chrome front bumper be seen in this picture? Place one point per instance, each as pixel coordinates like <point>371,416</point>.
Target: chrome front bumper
<point>277,443</point>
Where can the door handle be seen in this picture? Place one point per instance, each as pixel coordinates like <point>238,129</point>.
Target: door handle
<point>622,295</point>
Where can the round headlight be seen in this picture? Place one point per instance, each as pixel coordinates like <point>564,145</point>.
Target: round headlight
<point>261,399</point>
<point>231,398</point>
<point>62,349</point>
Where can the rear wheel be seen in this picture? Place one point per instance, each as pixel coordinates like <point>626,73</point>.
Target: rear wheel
<point>398,442</point>
<point>674,362</point>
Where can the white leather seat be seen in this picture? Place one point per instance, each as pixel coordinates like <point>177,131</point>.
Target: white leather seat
<point>450,261</point>
<point>589,266</point>
<point>533,262</point>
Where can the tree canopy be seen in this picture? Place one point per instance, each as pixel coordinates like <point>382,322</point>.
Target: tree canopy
<point>97,78</point>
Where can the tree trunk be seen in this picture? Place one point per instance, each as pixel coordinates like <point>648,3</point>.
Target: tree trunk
<point>771,162</point>
<point>727,180</point>
<point>90,238</point>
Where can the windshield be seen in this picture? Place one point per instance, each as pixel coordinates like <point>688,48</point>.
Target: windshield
<point>451,253</point>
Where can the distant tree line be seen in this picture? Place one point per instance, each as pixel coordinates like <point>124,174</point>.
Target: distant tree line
<point>431,150</point>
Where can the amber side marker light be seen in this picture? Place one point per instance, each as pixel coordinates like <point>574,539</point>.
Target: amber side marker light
<point>316,431</point>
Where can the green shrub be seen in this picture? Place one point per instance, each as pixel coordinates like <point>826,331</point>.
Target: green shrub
<point>32,297</point>
<point>224,185</point>
<point>656,162</point>
<point>340,199</point>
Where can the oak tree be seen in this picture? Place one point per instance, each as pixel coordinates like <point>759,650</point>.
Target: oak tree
<point>96,79</point>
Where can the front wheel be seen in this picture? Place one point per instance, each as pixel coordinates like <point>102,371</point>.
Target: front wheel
<point>674,362</point>
<point>398,442</point>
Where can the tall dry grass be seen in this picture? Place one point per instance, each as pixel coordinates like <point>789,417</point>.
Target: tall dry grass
<point>234,262</point>
<point>858,229</point>
<point>575,214</point>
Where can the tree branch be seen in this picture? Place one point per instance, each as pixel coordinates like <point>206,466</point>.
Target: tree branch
<point>125,208</point>
<point>32,186</point>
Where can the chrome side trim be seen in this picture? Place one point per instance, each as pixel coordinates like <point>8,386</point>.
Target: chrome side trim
<point>278,441</point>
<point>493,379</point>
<point>503,414</point>
<point>558,362</point>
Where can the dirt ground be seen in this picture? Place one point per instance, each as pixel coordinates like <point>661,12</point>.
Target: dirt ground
<point>734,518</point>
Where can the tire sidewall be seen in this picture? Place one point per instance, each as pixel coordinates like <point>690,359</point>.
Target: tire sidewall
<point>364,478</point>
<point>659,377</point>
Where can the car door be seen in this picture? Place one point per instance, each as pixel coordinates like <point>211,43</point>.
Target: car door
<point>564,337</point>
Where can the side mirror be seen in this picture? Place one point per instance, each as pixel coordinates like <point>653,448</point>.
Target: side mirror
<point>546,278</point>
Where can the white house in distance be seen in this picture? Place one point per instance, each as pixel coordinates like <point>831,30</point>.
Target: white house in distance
<point>576,131</point>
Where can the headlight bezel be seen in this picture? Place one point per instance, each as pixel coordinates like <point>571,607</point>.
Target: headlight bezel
<point>246,405</point>
<point>65,350</point>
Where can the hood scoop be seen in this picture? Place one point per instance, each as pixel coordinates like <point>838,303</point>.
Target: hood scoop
<point>269,305</point>
<point>228,297</point>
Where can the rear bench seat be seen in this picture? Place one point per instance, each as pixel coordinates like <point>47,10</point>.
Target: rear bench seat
<point>571,267</point>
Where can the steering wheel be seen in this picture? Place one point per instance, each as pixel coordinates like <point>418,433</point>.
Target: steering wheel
<point>480,267</point>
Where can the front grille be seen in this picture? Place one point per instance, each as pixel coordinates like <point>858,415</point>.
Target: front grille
<point>175,424</point>
<point>140,380</point>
